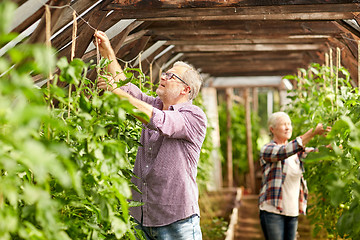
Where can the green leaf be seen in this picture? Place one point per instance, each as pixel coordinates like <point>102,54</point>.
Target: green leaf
<point>324,154</point>
<point>4,65</point>
<point>62,63</point>
<point>118,226</point>
<point>84,103</point>
<point>7,9</point>
<point>44,59</point>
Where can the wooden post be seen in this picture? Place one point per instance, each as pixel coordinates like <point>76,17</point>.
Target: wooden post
<point>250,156</point>
<point>151,76</point>
<point>338,56</point>
<point>326,59</point>
<point>73,46</point>
<point>255,101</point>
<point>358,64</point>
<point>331,67</point>
<point>270,102</point>
<point>48,45</point>
<point>229,99</point>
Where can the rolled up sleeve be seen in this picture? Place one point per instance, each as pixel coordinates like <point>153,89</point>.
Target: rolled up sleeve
<point>272,152</point>
<point>134,91</point>
<point>186,123</point>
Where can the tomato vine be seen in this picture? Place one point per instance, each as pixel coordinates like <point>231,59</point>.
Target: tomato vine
<point>65,160</point>
<point>333,174</point>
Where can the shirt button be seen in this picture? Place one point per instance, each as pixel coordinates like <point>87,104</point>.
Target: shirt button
<point>150,148</point>
<point>147,166</point>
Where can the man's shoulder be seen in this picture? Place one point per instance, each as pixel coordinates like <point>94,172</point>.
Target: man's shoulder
<point>193,109</point>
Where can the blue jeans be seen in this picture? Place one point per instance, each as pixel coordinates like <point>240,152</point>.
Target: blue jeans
<point>186,229</point>
<point>278,227</point>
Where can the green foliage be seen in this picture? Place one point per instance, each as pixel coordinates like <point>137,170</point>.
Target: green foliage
<point>215,229</point>
<point>65,159</point>
<point>238,136</point>
<point>65,171</point>
<point>333,174</point>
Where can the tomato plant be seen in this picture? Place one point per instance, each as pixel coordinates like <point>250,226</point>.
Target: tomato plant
<point>332,174</point>
<point>65,159</point>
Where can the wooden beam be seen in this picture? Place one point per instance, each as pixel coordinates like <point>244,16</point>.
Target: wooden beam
<point>85,34</point>
<point>150,60</point>
<point>156,4</point>
<point>246,55</point>
<point>344,27</point>
<point>65,38</point>
<point>79,6</point>
<point>27,10</point>
<point>135,36</point>
<point>255,40</point>
<point>350,41</point>
<point>247,38</point>
<point>267,28</point>
<point>251,66</point>
<point>283,12</point>
<point>252,72</point>
<point>249,47</point>
<point>38,36</point>
<point>19,2</point>
<point>157,66</point>
<point>132,50</point>
<point>349,59</point>
<point>129,39</point>
<point>29,21</point>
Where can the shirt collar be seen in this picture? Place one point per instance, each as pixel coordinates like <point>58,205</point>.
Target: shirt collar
<point>272,141</point>
<point>180,105</point>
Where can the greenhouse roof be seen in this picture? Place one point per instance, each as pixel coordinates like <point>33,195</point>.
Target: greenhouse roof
<point>221,38</point>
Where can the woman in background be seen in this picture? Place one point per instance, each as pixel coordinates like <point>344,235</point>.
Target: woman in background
<point>283,192</point>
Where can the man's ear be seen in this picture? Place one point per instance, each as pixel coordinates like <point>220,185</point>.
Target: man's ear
<point>186,90</point>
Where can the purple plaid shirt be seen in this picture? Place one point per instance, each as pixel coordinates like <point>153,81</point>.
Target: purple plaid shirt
<point>166,163</point>
<point>274,169</point>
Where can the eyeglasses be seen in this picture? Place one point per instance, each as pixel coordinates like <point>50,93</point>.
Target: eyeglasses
<point>169,75</point>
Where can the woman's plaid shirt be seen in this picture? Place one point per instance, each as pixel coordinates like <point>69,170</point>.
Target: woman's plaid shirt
<point>274,169</point>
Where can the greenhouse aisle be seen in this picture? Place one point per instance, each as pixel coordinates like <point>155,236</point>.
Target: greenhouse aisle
<point>248,225</point>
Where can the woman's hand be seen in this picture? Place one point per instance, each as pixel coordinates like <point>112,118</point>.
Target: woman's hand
<point>107,83</point>
<point>319,130</point>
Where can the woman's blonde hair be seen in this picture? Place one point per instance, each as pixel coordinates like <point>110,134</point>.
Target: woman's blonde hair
<point>273,120</point>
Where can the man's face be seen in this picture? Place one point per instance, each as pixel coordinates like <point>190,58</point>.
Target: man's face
<point>171,88</point>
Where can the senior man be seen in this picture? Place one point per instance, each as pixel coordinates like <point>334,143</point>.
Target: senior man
<point>166,162</point>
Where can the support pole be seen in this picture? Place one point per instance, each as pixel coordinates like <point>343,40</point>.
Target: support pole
<point>255,97</point>
<point>229,100</point>
<point>358,82</point>
<point>250,156</point>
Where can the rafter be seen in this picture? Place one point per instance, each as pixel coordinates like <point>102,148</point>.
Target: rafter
<point>249,47</point>
<point>156,4</point>
<point>269,28</point>
<point>283,12</point>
